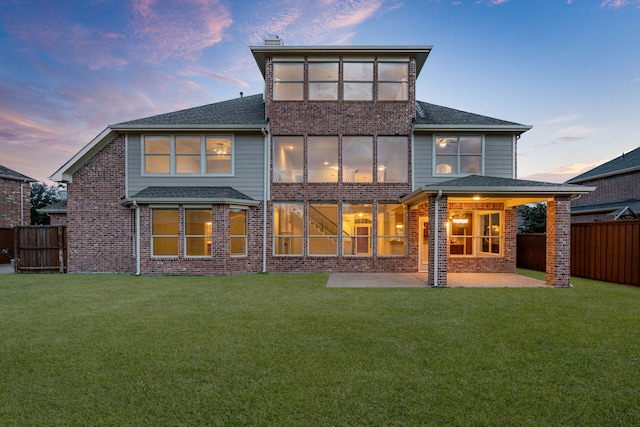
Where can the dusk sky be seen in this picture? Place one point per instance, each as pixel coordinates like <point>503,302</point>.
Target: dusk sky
<point>570,68</point>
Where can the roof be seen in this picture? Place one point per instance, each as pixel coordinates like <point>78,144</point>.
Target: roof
<point>436,117</point>
<point>610,207</point>
<point>7,173</point>
<point>420,52</point>
<point>217,195</point>
<point>57,207</point>
<point>245,111</point>
<point>627,162</point>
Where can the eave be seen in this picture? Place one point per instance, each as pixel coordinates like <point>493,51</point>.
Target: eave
<point>472,128</point>
<point>199,127</point>
<point>173,200</point>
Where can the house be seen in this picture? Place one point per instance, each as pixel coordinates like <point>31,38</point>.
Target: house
<point>57,212</point>
<point>336,167</point>
<point>15,198</point>
<point>617,195</point>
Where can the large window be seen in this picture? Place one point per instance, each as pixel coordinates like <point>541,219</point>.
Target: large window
<point>197,232</point>
<point>322,158</point>
<point>475,233</point>
<point>323,81</point>
<point>393,79</point>
<point>322,227</point>
<point>288,81</point>
<point>164,232</point>
<point>357,159</point>
<point>393,159</point>
<point>358,81</point>
<point>357,222</point>
<point>238,232</point>
<point>392,238</point>
<point>288,229</point>
<point>458,155</point>
<point>288,155</point>
<point>188,154</point>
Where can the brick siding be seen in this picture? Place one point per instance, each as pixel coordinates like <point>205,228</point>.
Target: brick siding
<point>559,241</point>
<point>10,203</point>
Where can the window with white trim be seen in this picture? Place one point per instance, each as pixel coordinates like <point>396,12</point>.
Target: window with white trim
<point>323,81</point>
<point>393,81</point>
<point>288,228</point>
<point>458,155</point>
<point>238,232</point>
<point>475,233</point>
<point>288,81</point>
<point>187,155</point>
<point>197,232</point>
<point>164,232</point>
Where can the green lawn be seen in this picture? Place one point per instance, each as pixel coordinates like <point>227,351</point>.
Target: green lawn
<point>282,349</point>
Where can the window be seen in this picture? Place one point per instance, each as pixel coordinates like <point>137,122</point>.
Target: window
<point>164,232</point>
<point>356,228</point>
<point>456,155</point>
<point>393,159</point>
<point>287,159</point>
<point>357,159</point>
<point>391,229</point>
<point>323,81</point>
<point>322,227</point>
<point>287,228</point>
<point>197,232</point>
<point>192,154</point>
<point>238,232</point>
<point>393,78</point>
<point>475,233</point>
<point>288,81</point>
<point>322,158</point>
<point>358,81</point>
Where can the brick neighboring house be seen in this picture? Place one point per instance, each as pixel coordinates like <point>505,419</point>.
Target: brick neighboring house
<point>57,212</point>
<point>15,198</point>
<point>336,167</point>
<point>617,194</point>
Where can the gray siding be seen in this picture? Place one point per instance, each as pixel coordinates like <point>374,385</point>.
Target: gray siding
<point>248,162</point>
<point>498,157</point>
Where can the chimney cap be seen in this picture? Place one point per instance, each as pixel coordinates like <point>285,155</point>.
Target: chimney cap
<point>273,40</point>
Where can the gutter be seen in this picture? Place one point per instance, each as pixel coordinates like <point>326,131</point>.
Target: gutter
<point>435,237</point>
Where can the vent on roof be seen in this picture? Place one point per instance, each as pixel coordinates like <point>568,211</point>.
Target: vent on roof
<point>273,40</point>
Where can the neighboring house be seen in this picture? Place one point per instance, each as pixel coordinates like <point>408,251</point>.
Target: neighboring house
<point>336,167</point>
<point>15,198</point>
<point>617,195</point>
<point>57,212</point>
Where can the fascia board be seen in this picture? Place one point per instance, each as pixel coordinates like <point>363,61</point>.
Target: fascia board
<point>65,172</point>
<point>175,200</point>
<point>473,128</point>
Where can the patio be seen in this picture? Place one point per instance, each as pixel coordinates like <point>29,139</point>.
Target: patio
<point>417,280</point>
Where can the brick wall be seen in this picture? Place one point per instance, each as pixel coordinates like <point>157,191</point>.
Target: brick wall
<point>11,204</point>
<point>100,229</point>
<point>611,189</point>
<point>440,241</point>
<point>558,241</point>
<point>58,219</point>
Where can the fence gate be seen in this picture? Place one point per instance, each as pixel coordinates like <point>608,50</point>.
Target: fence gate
<point>40,249</point>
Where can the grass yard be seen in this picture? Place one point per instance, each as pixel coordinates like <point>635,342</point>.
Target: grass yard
<point>282,349</point>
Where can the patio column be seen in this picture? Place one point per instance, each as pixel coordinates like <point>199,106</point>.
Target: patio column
<point>439,246</point>
<point>559,241</point>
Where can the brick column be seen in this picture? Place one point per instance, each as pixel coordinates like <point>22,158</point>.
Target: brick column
<point>559,241</point>
<point>441,243</point>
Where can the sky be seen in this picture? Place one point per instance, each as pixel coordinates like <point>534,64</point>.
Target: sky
<point>569,68</point>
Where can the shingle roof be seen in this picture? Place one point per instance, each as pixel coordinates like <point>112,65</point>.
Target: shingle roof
<point>57,207</point>
<point>431,114</point>
<point>610,207</point>
<point>473,181</point>
<point>7,173</point>
<point>627,161</point>
<point>248,110</point>
<point>190,193</point>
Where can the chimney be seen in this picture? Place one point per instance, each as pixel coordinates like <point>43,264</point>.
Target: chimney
<point>273,40</point>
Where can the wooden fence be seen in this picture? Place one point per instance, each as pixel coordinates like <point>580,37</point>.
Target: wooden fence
<point>40,249</point>
<point>6,242</point>
<point>607,251</point>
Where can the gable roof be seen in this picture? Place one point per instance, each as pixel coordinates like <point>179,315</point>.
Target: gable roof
<point>7,173</point>
<point>627,162</point>
<point>438,118</point>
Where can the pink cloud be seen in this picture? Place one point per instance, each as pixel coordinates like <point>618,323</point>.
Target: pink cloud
<point>617,4</point>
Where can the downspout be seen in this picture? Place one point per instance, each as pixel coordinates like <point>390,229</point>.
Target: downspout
<point>265,198</point>
<point>435,237</point>
<point>137,208</point>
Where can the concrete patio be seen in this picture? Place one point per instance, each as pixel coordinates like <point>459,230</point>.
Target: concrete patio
<point>417,280</point>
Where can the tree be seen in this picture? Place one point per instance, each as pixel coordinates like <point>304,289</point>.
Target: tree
<point>42,195</point>
<point>535,218</point>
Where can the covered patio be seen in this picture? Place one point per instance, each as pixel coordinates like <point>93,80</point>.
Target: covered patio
<point>419,280</point>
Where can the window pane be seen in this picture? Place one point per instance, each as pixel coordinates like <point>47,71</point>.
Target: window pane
<point>198,230</point>
<point>392,91</point>
<point>358,91</point>
<point>164,222</point>
<point>470,164</point>
<point>391,229</point>
<point>238,232</point>
<point>323,91</point>
<point>198,246</point>
<point>393,71</point>
<point>323,71</point>
<point>446,165</point>
<point>288,71</point>
<point>358,71</point>
<point>287,228</point>
<point>238,245</point>
<point>392,81</point>
<point>470,145</point>
<point>322,227</point>
<point>157,164</point>
<point>219,152</point>
<point>288,81</point>
<point>157,151</point>
<point>322,160</point>
<point>447,145</point>
<point>461,226</point>
<point>188,164</point>
<point>288,91</point>
<point>357,159</point>
<point>287,159</point>
<point>165,246</point>
<point>356,228</point>
<point>393,159</point>
<point>187,145</point>
<point>157,145</point>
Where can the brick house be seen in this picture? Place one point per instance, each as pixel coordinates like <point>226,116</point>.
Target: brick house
<point>336,167</point>
<point>617,194</point>
<point>15,198</point>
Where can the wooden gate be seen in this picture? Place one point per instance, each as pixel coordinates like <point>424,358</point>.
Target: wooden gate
<point>40,249</point>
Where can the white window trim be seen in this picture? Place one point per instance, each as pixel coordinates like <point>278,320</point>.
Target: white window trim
<point>172,207</point>
<point>433,156</point>
<point>172,157</point>
<point>184,233</point>
<point>476,236</point>
<point>246,228</point>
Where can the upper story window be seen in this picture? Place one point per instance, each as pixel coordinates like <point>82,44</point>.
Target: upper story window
<point>393,81</point>
<point>358,81</point>
<point>357,159</point>
<point>187,155</point>
<point>288,81</point>
<point>322,159</point>
<point>323,81</point>
<point>458,155</point>
<point>288,155</point>
<point>393,159</point>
